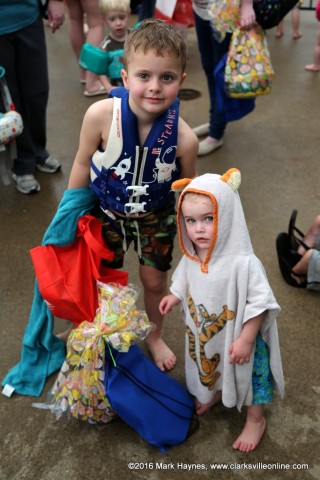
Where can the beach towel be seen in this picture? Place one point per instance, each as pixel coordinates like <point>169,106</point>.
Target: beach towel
<point>42,352</point>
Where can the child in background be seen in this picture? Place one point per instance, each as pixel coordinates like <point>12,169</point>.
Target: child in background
<point>117,16</point>
<point>232,349</point>
<point>315,66</point>
<point>132,147</point>
<point>295,18</point>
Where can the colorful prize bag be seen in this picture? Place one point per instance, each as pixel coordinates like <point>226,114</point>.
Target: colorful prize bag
<point>106,374</point>
<point>79,388</point>
<point>231,108</point>
<point>248,71</point>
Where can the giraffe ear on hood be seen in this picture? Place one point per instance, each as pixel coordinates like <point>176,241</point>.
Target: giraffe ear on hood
<point>233,178</point>
<point>179,185</point>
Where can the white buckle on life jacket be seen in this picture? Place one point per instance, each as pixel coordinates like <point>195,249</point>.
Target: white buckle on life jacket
<point>134,207</point>
<point>138,190</point>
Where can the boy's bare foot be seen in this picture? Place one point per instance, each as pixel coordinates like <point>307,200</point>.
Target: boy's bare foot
<point>312,68</point>
<point>279,34</point>
<point>251,435</point>
<point>296,35</point>
<point>162,355</point>
<point>202,408</point>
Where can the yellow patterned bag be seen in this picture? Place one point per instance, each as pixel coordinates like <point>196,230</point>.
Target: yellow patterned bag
<point>225,17</point>
<point>248,71</point>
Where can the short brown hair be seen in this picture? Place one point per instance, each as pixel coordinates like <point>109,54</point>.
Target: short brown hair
<point>158,35</point>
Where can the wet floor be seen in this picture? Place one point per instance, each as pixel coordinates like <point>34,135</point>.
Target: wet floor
<point>277,150</point>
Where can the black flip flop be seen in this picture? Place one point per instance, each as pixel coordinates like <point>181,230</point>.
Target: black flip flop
<point>288,258</point>
<point>292,229</point>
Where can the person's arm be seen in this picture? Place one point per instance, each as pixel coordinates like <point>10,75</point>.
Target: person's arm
<point>247,14</point>
<point>187,150</point>
<point>94,132</point>
<point>241,348</point>
<point>167,303</point>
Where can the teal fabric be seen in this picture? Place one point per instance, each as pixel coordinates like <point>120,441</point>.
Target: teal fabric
<point>262,386</point>
<point>42,352</point>
<point>15,14</point>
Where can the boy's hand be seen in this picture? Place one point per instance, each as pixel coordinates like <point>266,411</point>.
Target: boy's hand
<point>247,16</point>
<point>240,351</point>
<point>167,303</point>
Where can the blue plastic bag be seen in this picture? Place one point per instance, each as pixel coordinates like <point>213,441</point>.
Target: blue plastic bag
<point>232,108</point>
<point>154,404</point>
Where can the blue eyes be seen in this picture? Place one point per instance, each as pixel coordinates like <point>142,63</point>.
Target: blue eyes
<point>164,78</point>
<point>207,219</point>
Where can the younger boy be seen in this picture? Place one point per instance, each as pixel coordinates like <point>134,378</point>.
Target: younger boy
<point>117,15</point>
<point>232,348</point>
<point>132,147</point>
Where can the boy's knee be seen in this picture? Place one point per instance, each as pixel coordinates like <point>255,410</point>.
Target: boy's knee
<point>154,281</point>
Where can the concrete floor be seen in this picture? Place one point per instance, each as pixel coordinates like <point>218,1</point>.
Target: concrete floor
<point>277,150</point>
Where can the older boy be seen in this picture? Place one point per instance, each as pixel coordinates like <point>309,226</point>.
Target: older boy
<point>132,147</point>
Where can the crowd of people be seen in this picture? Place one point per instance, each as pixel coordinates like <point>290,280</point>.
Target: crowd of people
<point>134,151</point>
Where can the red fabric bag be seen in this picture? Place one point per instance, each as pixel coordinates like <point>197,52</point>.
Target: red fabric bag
<point>177,12</point>
<point>67,276</point>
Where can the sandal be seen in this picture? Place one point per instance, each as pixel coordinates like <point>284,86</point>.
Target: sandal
<point>288,258</point>
<point>295,242</point>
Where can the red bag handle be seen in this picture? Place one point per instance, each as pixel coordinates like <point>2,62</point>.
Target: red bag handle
<point>90,228</point>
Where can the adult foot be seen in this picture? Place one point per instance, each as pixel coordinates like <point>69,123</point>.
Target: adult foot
<point>296,35</point>
<point>300,270</point>
<point>251,435</point>
<point>95,93</point>
<point>311,237</point>
<point>209,145</point>
<point>279,34</point>
<point>312,68</point>
<point>202,408</point>
<point>201,130</point>
<point>162,355</point>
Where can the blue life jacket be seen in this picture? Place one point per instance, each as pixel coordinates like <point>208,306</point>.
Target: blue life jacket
<point>129,178</point>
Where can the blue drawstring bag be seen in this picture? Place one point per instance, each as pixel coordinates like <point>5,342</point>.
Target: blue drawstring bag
<point>232,108</point>
<point>154,404</point>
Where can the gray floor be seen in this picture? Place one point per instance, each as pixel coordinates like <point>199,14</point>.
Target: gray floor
<point>277,150</point>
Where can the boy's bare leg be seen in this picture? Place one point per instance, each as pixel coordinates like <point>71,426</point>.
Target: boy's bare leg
<point>155,288</point>
<point>202,408</point>
<point>253,430</point>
